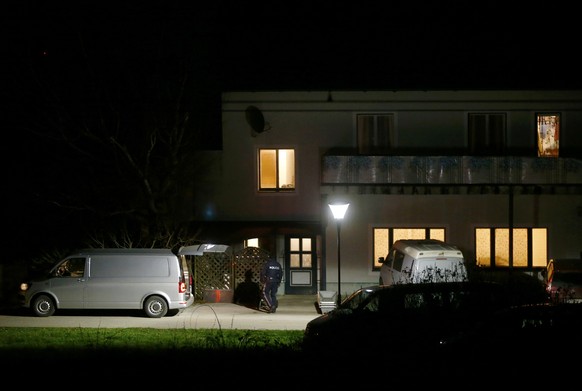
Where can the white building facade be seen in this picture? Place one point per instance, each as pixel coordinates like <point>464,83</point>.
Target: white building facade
<point>496,173</point>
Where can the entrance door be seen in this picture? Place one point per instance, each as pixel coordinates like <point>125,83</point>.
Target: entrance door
<point>300,265</point>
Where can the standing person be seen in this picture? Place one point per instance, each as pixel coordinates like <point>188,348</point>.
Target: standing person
<point>248,292</point>
<point>271,275</point>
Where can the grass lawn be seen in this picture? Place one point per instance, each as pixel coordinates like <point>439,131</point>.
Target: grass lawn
<point>143,339</point>
<point>146,356</point>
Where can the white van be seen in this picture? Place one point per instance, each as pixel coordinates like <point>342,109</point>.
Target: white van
<point>421,261</point>
<point>154,280</point>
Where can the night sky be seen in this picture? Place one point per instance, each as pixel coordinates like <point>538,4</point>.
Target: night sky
<point>231,45</point>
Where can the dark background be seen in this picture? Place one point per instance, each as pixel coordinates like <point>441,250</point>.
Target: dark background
<point>68,64</point>
<point>232,45</point>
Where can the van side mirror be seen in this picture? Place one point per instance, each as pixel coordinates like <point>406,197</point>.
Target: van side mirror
<point>381,260</point>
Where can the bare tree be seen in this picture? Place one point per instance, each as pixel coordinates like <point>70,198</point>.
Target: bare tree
<point>116,126</point>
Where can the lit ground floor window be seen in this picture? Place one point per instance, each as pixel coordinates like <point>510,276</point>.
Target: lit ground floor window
<point>516,247</point>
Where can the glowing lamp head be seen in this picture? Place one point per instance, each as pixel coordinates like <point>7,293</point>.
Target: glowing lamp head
<point>339,210</point>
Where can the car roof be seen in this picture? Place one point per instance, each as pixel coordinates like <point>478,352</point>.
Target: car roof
<point>435,285</point>
<point>121,251</point>
<point>431,286</point>
<point>418,248</point>
<point>563,265</point>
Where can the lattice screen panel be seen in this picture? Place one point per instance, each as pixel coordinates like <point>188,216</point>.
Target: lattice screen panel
<point>249,258</point>
<point>212,271</point>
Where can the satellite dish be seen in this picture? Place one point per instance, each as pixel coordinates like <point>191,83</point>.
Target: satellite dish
<point>256,120</point>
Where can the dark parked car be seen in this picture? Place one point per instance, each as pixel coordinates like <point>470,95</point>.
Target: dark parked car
<point>522,338</point>
<point>404,318</point>
<point>563,280</point>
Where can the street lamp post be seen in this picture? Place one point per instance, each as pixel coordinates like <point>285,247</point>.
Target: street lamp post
<point>339,211</point>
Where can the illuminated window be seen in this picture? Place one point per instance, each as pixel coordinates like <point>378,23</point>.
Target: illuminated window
<point>539,247</point>
<point>300,252</point>
<point>486,133</point>
<point>492,247</point>
<point>384,237</point>
<point>375,132</point>
<point>548,134</point>
<point>276,169</point>
<point>254,242</point>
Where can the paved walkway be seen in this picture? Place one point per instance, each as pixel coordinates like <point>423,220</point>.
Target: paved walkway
<point>293,314</point>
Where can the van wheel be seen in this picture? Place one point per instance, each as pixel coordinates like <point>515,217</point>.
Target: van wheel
<point>43,305</point>
<point>155,307</point>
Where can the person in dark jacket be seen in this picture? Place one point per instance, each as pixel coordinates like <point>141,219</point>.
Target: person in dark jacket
<point>271,276</point>
<point>248,292</point>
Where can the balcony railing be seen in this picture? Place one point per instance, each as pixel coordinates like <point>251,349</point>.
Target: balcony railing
<point>450,170</point>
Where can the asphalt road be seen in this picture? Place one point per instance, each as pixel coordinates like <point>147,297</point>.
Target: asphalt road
<point>293,314</point>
